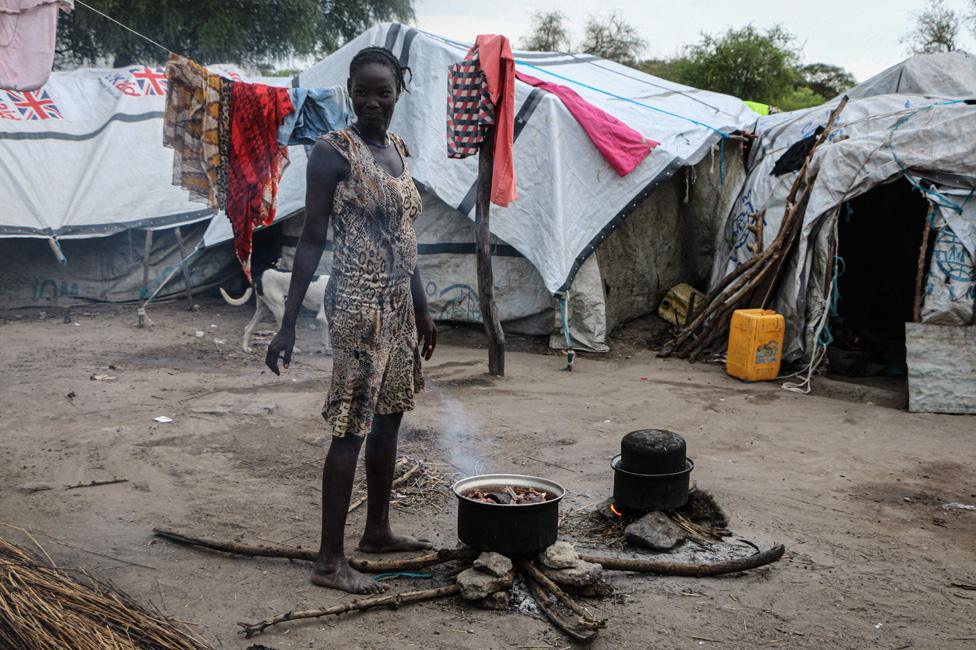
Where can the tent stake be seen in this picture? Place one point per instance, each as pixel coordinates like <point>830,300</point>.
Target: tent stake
<point>486,291</point>
<point>183,267</point>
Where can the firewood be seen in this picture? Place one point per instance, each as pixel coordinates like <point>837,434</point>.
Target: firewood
<point>567,628</point>
<point>587,619</point>
<point>688,569</point>
<point>291,553</point>
<point>390,600</point>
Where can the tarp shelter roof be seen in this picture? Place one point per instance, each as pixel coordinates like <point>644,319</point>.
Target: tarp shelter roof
<point>92,162</point>
<point>942,74</point>
<point>83,156</point>
<point>569,197</point>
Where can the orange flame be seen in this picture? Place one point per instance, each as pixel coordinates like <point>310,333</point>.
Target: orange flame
<point>614,510</point>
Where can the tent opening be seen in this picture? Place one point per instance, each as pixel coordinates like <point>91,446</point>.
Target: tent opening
<point>879,234</point>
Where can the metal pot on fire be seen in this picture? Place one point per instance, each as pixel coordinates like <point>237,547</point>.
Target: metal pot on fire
<point>652,471</point>
<point>508,527</point>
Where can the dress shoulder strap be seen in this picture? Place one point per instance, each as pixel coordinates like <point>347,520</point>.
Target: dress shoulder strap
<point>342,142</point>
<point>399,144</point>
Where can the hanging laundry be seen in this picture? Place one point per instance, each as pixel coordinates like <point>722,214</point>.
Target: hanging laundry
<point>621,146</point>
<point>794,157</point>
<point>470,110</point>
<point>256,161</point>
<point>191,130</point>
<point>27,33</point>
<point>317,111</point>
<point>481,93</point>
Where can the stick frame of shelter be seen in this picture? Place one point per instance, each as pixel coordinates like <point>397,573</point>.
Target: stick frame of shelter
<point>184,269</point>
<point>486,287</point>
<point>920,275</point>
<point>146,252</point>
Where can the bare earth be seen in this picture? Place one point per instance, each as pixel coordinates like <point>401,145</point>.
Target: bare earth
<point>855,490</point>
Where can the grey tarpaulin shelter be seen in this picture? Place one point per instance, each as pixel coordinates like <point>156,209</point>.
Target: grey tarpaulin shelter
<point>923,141</point>
<point>649,230</point>
<point>84,176</point>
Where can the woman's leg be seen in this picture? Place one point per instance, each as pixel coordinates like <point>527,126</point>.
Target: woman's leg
<point>381,448</point>
<point>331,568</point>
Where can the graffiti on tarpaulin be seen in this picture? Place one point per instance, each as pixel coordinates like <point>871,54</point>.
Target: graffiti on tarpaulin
<point>58,289</point>
<point>738,235</point>
<point>460,302</point>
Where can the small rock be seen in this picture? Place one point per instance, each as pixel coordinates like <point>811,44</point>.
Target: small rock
<point>703,510</point>
<point>476,585</point>
<point>199,334</point>
<point>495,564</point>
<point>655,531</point>
<point>31,488</point>
<point>560,555</point>
<point>583,574</point>
<point>495,601</point>
<point>603,510</point>
<point>599,589</point>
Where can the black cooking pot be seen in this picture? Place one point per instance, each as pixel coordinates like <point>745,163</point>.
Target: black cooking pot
<point>643,492</point>
<point>653,451</point>
<point>514,529</point>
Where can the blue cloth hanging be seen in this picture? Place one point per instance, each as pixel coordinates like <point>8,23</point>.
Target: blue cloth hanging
<point>317,111</point>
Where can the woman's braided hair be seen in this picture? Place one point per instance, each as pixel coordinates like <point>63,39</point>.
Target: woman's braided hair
<point>382,56</point>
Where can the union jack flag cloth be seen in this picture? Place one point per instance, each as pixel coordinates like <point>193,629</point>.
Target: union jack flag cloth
<point>470,110</point>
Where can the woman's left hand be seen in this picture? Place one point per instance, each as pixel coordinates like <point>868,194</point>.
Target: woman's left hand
<point>426,334</point>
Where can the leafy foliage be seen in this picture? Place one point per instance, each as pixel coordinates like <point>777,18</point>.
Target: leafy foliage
<point>826,80</point>
<point>549,33</point>
<point>210,31</point>
<point>613,38</point>
<point>936,29</point>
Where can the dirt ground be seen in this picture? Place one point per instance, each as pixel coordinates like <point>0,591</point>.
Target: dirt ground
<point>854,489</point>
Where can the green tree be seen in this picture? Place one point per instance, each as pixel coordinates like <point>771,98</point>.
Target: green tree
<point>936,29</point>
<point>613,38</point>
<point>549,33</point>
<point>210,31</point>
<point>747,62</point>
<point>826,80</point>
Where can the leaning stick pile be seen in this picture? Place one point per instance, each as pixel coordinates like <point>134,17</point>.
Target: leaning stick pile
<point>753,283</point>
<point>44,608</point>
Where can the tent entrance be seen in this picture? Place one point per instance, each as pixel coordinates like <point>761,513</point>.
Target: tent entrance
<point>879,234</point>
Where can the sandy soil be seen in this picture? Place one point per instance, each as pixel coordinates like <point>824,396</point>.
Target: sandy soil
<point>854,489</point>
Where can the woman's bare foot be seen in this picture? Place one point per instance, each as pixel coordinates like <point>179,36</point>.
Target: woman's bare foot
<point>345,578</point>
<point>387,542</point>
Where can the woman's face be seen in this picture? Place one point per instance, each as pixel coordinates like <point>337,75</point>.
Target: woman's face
<point>374,95</point>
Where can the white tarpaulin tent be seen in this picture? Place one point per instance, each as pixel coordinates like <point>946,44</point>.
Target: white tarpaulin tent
<point>98,167</point>
<point>877,139</point>
<point>941,74</point>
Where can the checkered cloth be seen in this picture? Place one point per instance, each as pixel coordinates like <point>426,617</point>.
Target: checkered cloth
<point>470,110</point>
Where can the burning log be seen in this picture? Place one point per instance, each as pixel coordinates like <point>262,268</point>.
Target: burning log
<point>586,619</point>
<point>391,600</point>
<point>539,594</point>
<point>292,553</point>
<point>688,569</point>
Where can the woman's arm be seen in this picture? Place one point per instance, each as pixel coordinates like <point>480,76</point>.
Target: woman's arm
<point>426,329</point>
<point>325,169</point>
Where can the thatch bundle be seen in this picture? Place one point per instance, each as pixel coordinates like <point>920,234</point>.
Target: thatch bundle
<point>43,607</point>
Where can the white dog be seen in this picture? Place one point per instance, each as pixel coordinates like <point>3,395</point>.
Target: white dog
<point>272,290</point>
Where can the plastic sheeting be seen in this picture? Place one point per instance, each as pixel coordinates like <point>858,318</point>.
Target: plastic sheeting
<point>874,140</point>
<point>950,285</point>
<point>569,197</point>
<point>942,74</point>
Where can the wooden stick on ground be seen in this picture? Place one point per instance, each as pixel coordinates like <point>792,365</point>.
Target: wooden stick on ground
<point>112,481</point>
<point>291,553</point>
<point>539,594</point>
<point>587,619</point>
<point>390,600</point>
<point>400,481</point>
<point>688,569</point>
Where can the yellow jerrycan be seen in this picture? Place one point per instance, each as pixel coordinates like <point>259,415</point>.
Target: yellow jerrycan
<point>755,344</point>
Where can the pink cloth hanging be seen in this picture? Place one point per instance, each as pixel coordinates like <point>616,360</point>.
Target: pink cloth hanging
<point>27,33</point>
<point>621,146</point>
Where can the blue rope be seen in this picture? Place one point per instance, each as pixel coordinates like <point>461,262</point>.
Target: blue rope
<point>403,574</point>
<point>826,338</point>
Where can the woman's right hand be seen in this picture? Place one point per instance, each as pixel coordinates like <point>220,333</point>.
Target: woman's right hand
<point>280,347</point>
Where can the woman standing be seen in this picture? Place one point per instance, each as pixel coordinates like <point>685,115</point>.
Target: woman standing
<point>376,306</point>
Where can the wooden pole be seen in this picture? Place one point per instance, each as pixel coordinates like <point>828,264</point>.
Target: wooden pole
<point>920,275</point>
<point>486,291</point>
<point>186,271</point>
<point>147,250</point>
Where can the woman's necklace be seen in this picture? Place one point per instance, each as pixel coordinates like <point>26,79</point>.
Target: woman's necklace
<point>381,145</point>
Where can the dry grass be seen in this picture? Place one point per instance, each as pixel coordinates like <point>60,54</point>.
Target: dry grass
<point>43,607</point>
